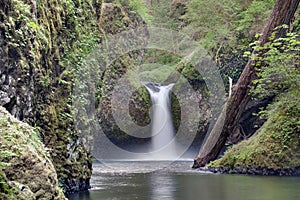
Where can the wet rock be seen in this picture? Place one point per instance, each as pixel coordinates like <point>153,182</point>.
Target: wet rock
<point>77,185</point>
<point>256,170</point>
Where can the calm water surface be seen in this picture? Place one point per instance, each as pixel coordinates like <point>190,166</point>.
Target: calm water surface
<point>155,181</point>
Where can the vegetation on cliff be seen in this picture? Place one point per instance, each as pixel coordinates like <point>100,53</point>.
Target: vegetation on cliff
<point>276,144</point>
<point>281,17</point>
<point>43,46</point>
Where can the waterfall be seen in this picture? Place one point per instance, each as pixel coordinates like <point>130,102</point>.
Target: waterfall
<point>161,120</point>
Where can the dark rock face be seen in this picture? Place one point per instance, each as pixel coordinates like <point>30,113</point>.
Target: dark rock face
<point>16,66</point>
<point>35,78</point>
<point>256,170</point>
<point>180,6</point>
<point>249,123</point>
<point>78,185</point>
<point>31,65</point>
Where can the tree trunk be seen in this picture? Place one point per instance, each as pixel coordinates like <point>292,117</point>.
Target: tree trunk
<point>282,13</point>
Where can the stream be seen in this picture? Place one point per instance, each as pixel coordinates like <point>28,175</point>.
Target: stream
<point>154,180</point>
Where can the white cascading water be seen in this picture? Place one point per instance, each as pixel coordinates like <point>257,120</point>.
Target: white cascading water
<point>161,121</point>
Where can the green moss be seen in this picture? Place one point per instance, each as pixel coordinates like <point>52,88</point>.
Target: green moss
<point>74,33</point>
<point>276,145</point>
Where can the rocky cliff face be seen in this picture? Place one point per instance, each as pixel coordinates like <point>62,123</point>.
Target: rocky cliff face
<point>42,45</point>
<point>117,19</point>
<point>38,52</point>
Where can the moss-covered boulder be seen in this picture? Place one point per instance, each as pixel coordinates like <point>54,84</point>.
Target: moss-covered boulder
<point>274,149</point>
<point>26,171</point>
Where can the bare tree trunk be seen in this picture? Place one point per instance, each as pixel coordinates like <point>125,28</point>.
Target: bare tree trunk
<point>282,13</point>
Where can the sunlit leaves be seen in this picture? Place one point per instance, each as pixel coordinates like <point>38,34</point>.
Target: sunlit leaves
<point>281,56</point>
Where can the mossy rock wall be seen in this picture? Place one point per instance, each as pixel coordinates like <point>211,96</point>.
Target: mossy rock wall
<point>116,19</point>
<point>42,46</point>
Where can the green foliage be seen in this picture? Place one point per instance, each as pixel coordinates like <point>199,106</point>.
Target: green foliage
<point>211,21</point>
<point>281,74</point>
<point>155,72</point>
<point>251,20</point>
<point>277,143</point>
<point>138,6</point>
<point>75,55</point>
<point>158,65</point>
<point>21,153</point>
<point>50,40</point>
<point>225,28</point>
<point>162,15</point>
<point>215,23</point>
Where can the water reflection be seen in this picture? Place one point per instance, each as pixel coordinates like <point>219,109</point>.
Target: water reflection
<point>162,186</point>
<point>179,182</point>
